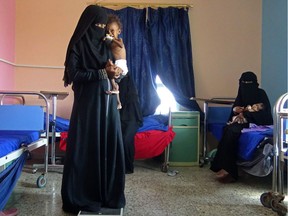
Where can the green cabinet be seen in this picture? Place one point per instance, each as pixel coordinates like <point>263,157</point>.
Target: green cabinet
<point>184,149</point>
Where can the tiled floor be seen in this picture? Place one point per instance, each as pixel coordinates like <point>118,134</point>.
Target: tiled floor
<point>150,192</point>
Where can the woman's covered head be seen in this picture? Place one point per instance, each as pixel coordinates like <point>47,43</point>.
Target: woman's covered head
<point>93,17</point>
<point>96,13</point>
<point>248,78</point>
<point>248,88</point>
<point>89,32</point>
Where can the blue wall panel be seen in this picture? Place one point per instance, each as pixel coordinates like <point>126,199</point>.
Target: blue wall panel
<point>274,48</point>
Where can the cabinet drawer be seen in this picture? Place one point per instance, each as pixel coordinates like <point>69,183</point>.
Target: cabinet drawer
<point>184,149</point>
<point>192,121</point>
<point>185,118</point>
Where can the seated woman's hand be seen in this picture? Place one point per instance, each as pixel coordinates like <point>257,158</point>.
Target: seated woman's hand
<point>238,109</point>
<point>241,119</point>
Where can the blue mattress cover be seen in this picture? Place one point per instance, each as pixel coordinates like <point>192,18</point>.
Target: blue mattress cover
<point>216,129</point>
<point>12,140</point>
<point>152,122</point>
<point>62,124</point>
<point>249,141</point>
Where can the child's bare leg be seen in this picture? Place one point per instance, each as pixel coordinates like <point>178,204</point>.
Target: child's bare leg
<point>119,105</point>
<point>115,90</point>
<point>115,87</point>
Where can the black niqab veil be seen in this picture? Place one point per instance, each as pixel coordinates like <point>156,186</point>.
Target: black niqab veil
<point>248,88</point>
<point>249,93</point>
<point>89,38</point>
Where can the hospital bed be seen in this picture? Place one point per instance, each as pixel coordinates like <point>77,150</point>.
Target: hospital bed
<point>251,153</point>
<point>21,131</point>
<point>274,199</point>
<point>151,140</point>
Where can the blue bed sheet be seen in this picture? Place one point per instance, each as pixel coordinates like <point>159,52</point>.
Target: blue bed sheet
<point>249,141</point>
<point>62,124</point>
<point>216,129</point>
<point>155,122</point>
<point>12,140</point>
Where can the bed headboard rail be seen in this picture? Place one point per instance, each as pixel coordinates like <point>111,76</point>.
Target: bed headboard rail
<point>20,117</point>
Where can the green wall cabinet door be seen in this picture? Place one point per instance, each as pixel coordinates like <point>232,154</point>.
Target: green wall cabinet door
<point>184,149</point>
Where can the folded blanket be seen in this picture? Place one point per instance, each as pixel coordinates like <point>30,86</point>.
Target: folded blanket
<point>155,122</point>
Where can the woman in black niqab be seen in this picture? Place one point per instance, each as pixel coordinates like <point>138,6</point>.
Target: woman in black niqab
<point>94,169</point>
<point>249,94</point>
<point>89,38</point>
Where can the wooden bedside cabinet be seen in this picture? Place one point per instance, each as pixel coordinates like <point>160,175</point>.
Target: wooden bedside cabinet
<point>184,150</point>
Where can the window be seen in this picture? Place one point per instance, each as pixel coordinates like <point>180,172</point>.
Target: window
<point>166,97</point>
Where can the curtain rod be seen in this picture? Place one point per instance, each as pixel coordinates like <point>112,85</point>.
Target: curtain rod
<point>142,5</point>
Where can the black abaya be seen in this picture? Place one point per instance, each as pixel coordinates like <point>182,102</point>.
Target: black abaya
<point>248,94</point>
<point>94,168</point>
<point>226,156</point>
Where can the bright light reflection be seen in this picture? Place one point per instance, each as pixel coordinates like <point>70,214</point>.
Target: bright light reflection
<point>166,97</point>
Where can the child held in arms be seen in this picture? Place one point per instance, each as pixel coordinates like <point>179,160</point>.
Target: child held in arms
<point>114,27</point>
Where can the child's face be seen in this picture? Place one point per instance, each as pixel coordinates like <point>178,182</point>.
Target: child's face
<point>113,29</point>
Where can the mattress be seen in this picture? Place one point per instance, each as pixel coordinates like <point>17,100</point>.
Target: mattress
<point>153,122</point>
<point>249,141</point>
<point>13,140</point>
<point>62,124</point>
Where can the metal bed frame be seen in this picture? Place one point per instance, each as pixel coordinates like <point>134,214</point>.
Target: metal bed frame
<point>41,181</point>
<point>274,199</point>
<point>206,158</point>
<point>165,164</point>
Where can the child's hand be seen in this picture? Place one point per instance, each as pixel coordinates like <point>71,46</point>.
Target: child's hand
<point>108,37</point>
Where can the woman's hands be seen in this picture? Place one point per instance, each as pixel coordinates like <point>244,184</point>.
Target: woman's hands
<point>239,118</point>
<point>238,109</point>
<point>112,70</point>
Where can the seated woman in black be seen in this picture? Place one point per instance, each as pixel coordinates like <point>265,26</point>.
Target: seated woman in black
<point>251,106</point>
